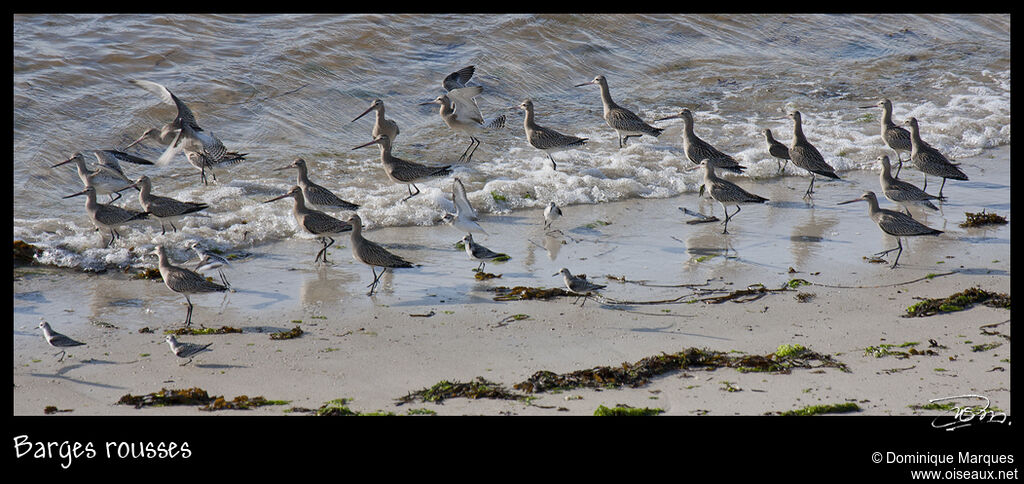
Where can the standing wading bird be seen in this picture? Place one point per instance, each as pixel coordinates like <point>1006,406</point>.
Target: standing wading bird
<point>108,175</point>
<point>546,139</point>
<point>106,216</point>
<point>314,221</point>
<point>316,194</point>
<point>202,149</point>
<point>804,155</point>
<point>372,254</point>
<point>479,252</point>
<point>697,149</point>
<point>778,150</point>
<point>465,217</point>
<point>578,284</point>
<point>896,224</point>
<point>184,281</point>
<point>57,340</point>
<point>900,191</point>
<point>208,260</point>
<point>726,193</point>
<point>622,120</point>
<point>459,111</point>
<point>185,350</point>
<point>929,161</point>
<point>382,125</point>
<point>895,137</point>
<point>165,209</point>
<point>551,213</point>
<point>401,171</point>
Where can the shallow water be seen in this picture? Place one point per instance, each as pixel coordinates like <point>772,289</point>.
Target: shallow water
<point>284,86</point>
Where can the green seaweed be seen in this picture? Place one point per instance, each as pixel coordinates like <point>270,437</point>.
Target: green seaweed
<point>958,302</point>
<point>165,397</point>
<point>639,373</point>
<point>201,331</point>
<point>626,411</point>
<point>597,223</point>
<point>887,349</point>
<point>195,396</point>
<point>985,347</point>
<point>822,409</point>
<point>241,402</point>
<point>444,389</point>
<point>498,197</point>
<point>787,350</point>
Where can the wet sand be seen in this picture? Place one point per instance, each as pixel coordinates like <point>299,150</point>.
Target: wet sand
<point>436,322</point>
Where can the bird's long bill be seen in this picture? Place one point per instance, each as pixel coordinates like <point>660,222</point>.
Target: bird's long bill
<point>428,103</point>
<point>284,168</point>
<point>674,116</point>
<point>277,198</point>
<point>868,107</point>
<point>133,185</point>
<point>69,160</point>
<point>364,146</point>
<point>364,113</point>
<point>556,274</point>
<point>76,194</point>
<point>851,201</point>
<point>581,85</point>
<point>133,143</point>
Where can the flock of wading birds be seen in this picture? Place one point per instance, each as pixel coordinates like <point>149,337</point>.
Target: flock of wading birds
<point>460,112</point>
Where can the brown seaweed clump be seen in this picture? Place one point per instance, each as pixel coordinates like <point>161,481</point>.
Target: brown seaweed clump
<point>199,331</point>
<point>165,397</point>
<point>149,274</point>
<point>639,373</point>
<point>519,293</point>
<point>195,396</point>
<point>958,302</point>
<point>241,402</point>
<point>292,333</point>
<point>982,219</point>
<point>479,388</point>
<point>25,252</point>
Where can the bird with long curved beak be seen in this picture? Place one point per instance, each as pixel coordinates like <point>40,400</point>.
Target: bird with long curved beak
<point>165,209</point>
<point>313,193</point>
<point>894,223</point>
<point>381,125</point>
<point>108,174</point>
<point>314,221</point>
<point>183,281</point>
<point>895,137</point>
<point>623,121</point>
<point>697,149</point>
<point>202,148</point>
<point>107,216</point>
<point>402,171</point>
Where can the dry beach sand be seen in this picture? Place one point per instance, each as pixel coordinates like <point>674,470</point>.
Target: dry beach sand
<point>436,322</point>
